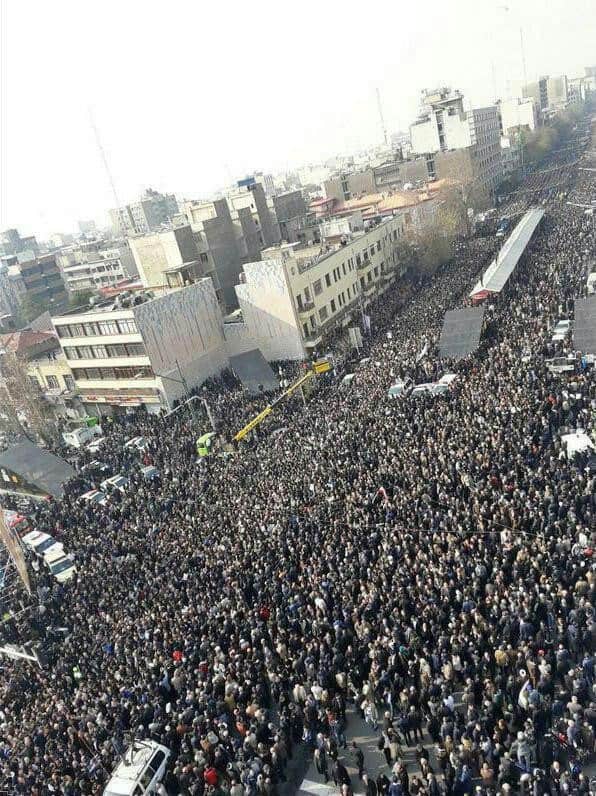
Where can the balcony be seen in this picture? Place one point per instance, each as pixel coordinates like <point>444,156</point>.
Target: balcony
<point>313,339</point>
<point>306,307</point>
<point>369,287</point>
<point>363,265</point>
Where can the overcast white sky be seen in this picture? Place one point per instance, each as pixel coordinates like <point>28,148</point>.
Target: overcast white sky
<point>187,93</point>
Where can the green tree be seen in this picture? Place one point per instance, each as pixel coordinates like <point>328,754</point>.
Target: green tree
<point>80,297</point>
<point>31,308</point>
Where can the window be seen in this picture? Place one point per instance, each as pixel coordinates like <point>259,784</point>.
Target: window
<point>33,381</point>
<point>99,351</point>
<point>77,330</point>
<point>332,305</point>
<point>349,294</point>
<point>70,351</point>
<point>376,270</point>
<point>69,382</point>
<point>335,274</point>
<point>327,280</point>
<point>127,326</point>
<point>378,245</point>
<point>343,268</point>
<point>52,383</point>
<point>317,289</point>
<point>85,352</point>
<point>134,349</point>
<point>108,327</point>
<point>63,331</point>
<point>323,314</point>
<point>358,259</point>
<point>372,250</point>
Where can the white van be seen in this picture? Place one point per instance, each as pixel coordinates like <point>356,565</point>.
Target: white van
<point>60,565</point>
<point>79,436</point>
<point>140,771</point>
<point>591,283</point>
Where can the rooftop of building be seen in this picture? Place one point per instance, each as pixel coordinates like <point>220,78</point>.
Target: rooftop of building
<point>26,341</point>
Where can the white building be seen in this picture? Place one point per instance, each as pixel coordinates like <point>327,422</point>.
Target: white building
<point>515,113</point>
<point>94,274</point>
<point>121,356</point>
<point>298,294</point>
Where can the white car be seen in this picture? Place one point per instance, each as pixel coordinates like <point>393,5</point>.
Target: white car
<point>140,443</point>
<point>448,379</point>
<point>41,543</point>
<point>347,380</point>
<point>560,330</point>
<point>423,389</point>
<point>94,446</point>
<point>115,482</point>
<point>399,389</point>
<point>560,364</point>
<point>93,496</point>
<point>60,565</point>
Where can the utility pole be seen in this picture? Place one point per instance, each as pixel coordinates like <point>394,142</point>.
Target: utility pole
<point>186,391</point>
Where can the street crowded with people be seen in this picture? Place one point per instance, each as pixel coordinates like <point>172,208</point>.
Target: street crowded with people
<point>422,564</point>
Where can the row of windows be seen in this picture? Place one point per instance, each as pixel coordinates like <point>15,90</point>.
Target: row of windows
<point>98,328</point>
<point>113,373</point>
<point>52,382</point>
<point>104,351</point>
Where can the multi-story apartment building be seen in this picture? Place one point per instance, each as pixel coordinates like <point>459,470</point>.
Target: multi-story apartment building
<point>250,195</point>
<point>212,223</point>
<point>459,144</point>
<point>387,176</point>
<point>548,93</point>
<point>172,258</point>
<point>42,281</point>
<point>94,274</point>
<point>516,113</point>
<point>11,243</point>
<point>330,283</point>
<point>136,351</point>
<point>153,210</point>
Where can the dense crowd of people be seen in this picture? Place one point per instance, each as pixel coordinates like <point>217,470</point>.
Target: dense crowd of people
<point>425,562</point>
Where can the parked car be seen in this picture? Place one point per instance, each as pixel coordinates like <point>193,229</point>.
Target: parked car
<point>426,388</point>
<point>94,446</point>
<point>502,227</point>
<point>347,380</point>
<point>561,364</point>
<point>399,389</point>
<point>140,443</point>
<point>93,496</point>
<point>96,467</point>
<point>141,769</point>
<point>115,482</point>
<point>60,565</point>
<point>150,472</point>
<point>561,329</point>
<point>41,543</point>
<point>79,436</point>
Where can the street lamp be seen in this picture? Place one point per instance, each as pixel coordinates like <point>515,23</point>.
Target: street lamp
<point>190,400</point>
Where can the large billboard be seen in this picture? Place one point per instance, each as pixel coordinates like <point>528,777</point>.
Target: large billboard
<point>15,551</point>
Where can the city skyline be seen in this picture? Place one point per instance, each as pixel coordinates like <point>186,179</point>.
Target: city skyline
<point>259,91</point>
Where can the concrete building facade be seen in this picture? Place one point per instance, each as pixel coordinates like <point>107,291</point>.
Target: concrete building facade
<point>250,195</point>
<point>516,113</point>
<point>172,258</point>
<point>389,176</point>
<point>42,281</point>
<point>153,210</point>
<point>122,356</point>
<point>549,93</point>
<point>212,221</point>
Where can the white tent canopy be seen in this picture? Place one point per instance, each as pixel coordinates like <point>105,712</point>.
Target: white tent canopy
<point>498,272</point>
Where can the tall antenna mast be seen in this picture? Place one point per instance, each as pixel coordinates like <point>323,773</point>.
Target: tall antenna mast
<point>523,55</point>
<point>383,128</point>
<point>104,158</point>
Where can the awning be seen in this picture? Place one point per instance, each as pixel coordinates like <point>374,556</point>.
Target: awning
<point>36,469</point>
<point>254,372</point>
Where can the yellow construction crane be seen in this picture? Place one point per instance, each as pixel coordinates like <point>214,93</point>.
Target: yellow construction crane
<point>319,367</point>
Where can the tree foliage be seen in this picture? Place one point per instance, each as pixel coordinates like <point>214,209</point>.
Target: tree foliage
<point>80,298</point>
<point>23,408</point>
